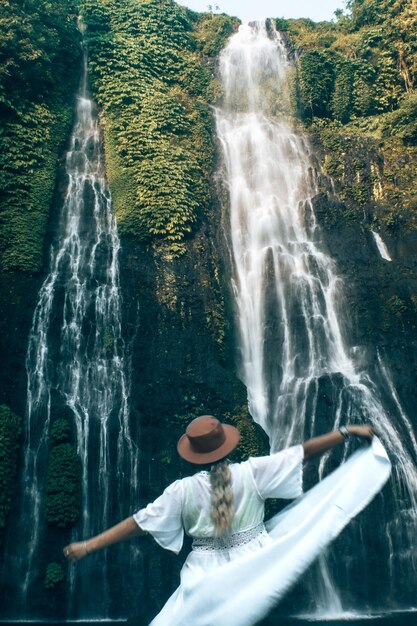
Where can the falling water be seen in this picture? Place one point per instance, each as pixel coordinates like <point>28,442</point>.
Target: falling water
<point>77,366</point>
<point>295,357</point>
<point>382,248</point>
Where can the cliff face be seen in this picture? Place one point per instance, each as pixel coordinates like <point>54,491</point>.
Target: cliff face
<point>374,179</point>
<point>152,72</point>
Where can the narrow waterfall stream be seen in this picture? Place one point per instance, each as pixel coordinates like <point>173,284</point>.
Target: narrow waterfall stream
<point>294,324</point>
<point>78,367</point>
<point>382,248</point>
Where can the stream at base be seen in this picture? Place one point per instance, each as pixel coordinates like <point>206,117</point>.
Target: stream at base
<point>400,618</point>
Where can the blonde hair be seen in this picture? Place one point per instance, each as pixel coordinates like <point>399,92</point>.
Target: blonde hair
<point>222,508</point>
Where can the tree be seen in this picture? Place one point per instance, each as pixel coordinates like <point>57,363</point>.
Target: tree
<point>316,84</point>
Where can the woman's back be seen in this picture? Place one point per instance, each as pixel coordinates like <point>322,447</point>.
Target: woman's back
<point>275,476</point>
<point>197,507</point>
<point>186,504</point>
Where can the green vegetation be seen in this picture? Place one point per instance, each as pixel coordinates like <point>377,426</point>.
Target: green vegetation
<point>354,91</point>
<point>63,481</point>
<point>253,440</point>
<point>360,65</point>
<point>9,444</point>
<point>316,78</point>
<point>402,123</point>
<point>212,31</point>
<point>54,575</point>
<point>62,503</point>
<point>60,431</point>
<point>354,87</point>
<point>39,66</point>
<point>108,340</point>
<point>152,77</point>
<point>149,77</point>
<point>394,313</point>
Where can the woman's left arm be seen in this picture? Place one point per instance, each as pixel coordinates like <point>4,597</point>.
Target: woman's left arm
<point>319,445</point>
<point>126,529</point>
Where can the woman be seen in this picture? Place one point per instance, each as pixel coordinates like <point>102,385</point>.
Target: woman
<point>223,511</point>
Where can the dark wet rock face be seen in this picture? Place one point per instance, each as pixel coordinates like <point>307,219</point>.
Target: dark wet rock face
<point>379,295</point>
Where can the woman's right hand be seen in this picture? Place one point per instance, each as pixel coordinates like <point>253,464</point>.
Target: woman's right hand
<point>366,431</point>
<point>76,551</point>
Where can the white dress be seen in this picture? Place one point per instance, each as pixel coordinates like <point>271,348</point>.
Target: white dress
<point>237,584</point>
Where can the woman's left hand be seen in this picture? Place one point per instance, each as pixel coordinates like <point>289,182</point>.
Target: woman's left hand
<point>75,551</point>
<point>366,431</point>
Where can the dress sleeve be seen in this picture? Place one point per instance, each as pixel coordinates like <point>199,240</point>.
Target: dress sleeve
<point>279,475</point>
<point>162,518</point>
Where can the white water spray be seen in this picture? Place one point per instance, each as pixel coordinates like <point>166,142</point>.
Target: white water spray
<point>382,248</point>
<point>289,299</point>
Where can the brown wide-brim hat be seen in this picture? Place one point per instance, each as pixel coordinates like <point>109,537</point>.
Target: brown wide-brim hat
<point>207,440</point>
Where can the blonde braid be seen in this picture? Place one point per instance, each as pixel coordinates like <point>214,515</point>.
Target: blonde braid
<point>222,509</point>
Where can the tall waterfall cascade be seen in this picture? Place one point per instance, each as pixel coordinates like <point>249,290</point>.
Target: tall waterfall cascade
<point>78,366</point>
<point>294,324</point>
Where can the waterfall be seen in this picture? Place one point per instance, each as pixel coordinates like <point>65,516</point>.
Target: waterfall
<point>382,248</point>
<point>301,373</point>
<point>78,366</point>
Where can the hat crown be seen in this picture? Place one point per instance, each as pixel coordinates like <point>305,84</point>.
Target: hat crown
<point>207,440</point>
<point>205,434</point>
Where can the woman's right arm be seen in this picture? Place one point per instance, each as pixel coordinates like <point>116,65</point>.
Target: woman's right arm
<point>319,445</point>
<point>126,529</point>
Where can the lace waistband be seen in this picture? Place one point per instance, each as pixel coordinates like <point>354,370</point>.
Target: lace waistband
<point>202,544</point>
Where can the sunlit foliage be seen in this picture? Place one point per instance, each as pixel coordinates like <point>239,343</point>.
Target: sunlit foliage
<point>39,61</point>
<point>154,86</point>
<point>361,64</point>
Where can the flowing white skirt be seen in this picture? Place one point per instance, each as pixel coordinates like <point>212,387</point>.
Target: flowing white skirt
<point>243,591</point>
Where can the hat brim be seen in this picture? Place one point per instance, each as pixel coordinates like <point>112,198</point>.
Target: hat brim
<point>200,458</point>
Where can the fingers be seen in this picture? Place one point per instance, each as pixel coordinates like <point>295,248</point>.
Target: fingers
<point>73,552</point>
<point>366,431</point>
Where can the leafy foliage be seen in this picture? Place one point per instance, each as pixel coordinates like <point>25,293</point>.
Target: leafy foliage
<point>54,575</point>
<point>253,441</point>
<point>9,443</point>
<point>39,54</point>
<point>62,502</point>
<point>212,30</point>
<point>316,84</point>
<point>60,431</point>
<point>402,123</point>
<point>361,65</point>
<point>149,77</point>
<point>342,98</point>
